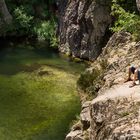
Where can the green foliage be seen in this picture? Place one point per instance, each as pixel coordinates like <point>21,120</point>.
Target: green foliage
<point>125,21</point>
<point>128,5</point>
<point>103,64</point>
<point>46,31</point>
<point>21,18</point>
<point>33,18</point>
<point>87,81</point>
<point>124,114</point>
<point>21,24</point>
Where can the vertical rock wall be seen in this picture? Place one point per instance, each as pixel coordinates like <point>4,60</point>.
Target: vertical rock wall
<point>5,16</point>
<point>82,27</point>
<point>138,4</point>
<point>115,113</point>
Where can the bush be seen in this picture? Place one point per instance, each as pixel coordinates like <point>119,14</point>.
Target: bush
<point>22,20</point>
<point>34,18</point>
<point>128,5</point>
<point>46,30</point>
<point>126,21</point>
<point>88,80</point>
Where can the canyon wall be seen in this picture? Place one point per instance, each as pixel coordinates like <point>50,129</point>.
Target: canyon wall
<point>5,16</point>
<point>83,27</point>
<point>114,114</point>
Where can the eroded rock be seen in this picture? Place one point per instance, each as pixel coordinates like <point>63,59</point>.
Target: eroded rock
<point>75,135</point>
<point>85,115</point>
<point>5,15</point>
<point>82,27</point>
<point>115,115</point>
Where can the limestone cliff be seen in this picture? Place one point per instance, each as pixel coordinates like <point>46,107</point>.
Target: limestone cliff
<point>5,15</point>
<point>82,27</point>
<point>138,4</point>
<point>115,113</point>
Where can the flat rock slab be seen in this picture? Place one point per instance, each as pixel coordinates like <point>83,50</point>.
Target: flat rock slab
<point>120,91</point>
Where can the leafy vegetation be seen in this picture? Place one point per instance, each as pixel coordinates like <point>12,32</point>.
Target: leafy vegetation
<point>46,30</point>
<point>33,18</point>
<point>125,20</point>
<point>128,5</point>
<point>90,82</point>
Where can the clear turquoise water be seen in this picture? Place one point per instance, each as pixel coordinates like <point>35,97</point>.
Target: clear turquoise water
<point>38,98</point>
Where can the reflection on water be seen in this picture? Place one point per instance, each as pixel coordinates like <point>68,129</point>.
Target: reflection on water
<point>13,61</point>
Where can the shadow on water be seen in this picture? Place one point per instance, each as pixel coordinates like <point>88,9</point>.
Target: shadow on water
<point>14,60</point>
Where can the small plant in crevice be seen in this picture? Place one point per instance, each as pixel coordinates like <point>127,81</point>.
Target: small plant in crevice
<point>104,64</point>
<point>76,124</point>
<point>86,135</point>
<point>90,82</point>
<point>123,114</point>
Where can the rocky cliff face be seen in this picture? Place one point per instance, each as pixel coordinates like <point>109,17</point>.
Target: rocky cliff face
<point>115,113</point>
<point>5,16</point>
<point>83,26</point>
<point>138,4</point>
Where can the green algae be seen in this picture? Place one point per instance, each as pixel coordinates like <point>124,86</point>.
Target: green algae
<point>34,106</point>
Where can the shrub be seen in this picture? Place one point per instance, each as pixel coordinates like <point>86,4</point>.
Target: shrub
<point>34,18</point>
<point>22,20</point>
<point>45,30</point>
<point>104,64</point>
<point>126,21</point>
<point>88,80</point>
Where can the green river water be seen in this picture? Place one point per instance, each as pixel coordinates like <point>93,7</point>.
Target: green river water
<point>38,98</point>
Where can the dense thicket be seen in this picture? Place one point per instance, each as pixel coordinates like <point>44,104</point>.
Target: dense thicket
<point>37,18</point>
<point>126,17</point>
<point>34,18</point>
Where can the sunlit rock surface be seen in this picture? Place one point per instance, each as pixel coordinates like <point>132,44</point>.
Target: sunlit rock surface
<point>115,113</point>
<point>83,26</point>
